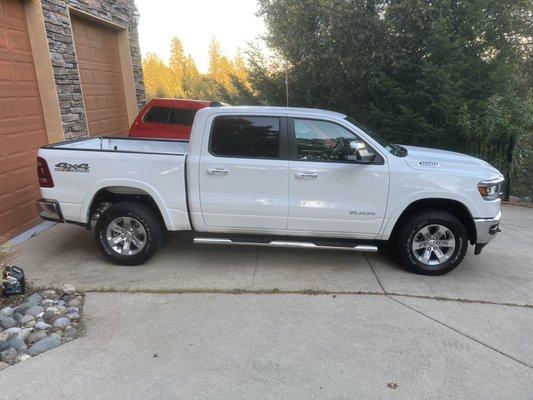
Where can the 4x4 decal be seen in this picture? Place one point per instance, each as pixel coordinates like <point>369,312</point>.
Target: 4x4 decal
<point>66,167</point>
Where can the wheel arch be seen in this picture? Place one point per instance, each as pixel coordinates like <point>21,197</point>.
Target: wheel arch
<point>454,207</point>
<point>125,192</point>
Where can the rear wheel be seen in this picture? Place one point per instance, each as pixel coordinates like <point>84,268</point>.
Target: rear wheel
<point>432,242</point>
<point>128,233</point>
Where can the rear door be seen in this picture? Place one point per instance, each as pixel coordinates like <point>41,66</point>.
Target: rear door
<point>244,173</point>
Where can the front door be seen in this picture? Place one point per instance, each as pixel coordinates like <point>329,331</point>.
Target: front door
<point>244,174</point>
<point>329,194</point>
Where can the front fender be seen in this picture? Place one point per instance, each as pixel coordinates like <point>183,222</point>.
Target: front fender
<point>401,206</point>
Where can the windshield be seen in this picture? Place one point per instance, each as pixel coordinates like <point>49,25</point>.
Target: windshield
<point>390,147</point>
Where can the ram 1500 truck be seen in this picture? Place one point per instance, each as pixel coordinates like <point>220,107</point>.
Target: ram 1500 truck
<point>268,176</point>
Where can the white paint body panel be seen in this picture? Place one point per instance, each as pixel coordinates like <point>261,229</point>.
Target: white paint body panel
<point>252,194</point>
<point>347,199</point>
<point>160,175</point>
<point>264,196</point>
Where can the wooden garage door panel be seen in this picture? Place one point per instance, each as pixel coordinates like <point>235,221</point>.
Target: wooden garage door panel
<point>101,77</point>
<point>21,119</point>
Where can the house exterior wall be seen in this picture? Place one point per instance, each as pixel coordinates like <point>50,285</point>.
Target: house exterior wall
<point>121,14</point>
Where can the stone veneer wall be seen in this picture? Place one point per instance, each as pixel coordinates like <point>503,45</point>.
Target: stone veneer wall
<point>62,54</point>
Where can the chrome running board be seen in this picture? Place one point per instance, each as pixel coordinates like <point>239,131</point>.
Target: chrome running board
<point>286,244</point>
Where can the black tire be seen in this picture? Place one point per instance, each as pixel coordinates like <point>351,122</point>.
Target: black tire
<point>418,221</point>
<point>144,216</point>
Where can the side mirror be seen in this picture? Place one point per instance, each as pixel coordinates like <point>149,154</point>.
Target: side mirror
<point>359,152</point>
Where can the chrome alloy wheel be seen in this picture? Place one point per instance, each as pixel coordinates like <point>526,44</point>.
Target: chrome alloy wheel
<point>126,236</point>
<point>433,244</point>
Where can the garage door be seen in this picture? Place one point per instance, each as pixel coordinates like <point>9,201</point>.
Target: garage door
<point>101,77</point>
<point>22,129</point>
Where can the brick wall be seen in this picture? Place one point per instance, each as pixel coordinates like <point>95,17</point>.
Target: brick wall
<point>62,54</point>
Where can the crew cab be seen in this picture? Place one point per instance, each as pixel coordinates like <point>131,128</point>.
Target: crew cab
<point>168,118</point>
<point>268,176</point>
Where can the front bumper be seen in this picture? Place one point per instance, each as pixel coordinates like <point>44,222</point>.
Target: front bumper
<point>486,229</point>
<point>49,210</point>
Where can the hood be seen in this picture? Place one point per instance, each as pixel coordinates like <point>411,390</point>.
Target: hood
<point>422,158</point>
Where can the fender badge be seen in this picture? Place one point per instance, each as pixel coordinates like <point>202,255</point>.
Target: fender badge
<point>66,167</point>
<point>432,164</point>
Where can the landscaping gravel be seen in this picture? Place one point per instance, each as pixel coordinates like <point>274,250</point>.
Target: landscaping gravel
<point>42,322</point>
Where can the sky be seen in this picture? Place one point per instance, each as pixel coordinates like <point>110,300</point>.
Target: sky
<point>195,22</point>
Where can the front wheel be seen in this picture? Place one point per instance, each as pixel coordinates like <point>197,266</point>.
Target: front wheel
<point>128,233</point>
<point>432,242</point>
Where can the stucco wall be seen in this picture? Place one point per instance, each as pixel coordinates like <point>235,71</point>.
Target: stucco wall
<point>63,57</point>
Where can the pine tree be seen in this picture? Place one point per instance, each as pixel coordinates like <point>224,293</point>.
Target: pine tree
<point>221,68</point>
<point>159,79</point>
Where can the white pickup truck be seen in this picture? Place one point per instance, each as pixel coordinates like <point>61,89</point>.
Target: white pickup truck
<point>268,176</point>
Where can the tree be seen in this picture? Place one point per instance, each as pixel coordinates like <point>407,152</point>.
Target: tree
<point>410,66</point>
<point>448,73</point>
<point>266,76</point>
<point>221,68</point>
<point>177,63</point>
<point>159,79</point>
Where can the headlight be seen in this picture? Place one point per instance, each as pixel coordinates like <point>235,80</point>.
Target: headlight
<point>491,190</point>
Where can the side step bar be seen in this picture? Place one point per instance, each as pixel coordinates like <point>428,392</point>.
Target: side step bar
<point>286,244</point>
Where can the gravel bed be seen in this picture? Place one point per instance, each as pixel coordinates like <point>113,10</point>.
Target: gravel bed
<point>42,321</point>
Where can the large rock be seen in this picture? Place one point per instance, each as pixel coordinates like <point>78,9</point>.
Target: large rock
<point>7,311</point>
<point>23,357</point>
<point>43,345</point>
<point>34,299</point>
<point>61,309</point>
<point>8,340</point>
<point>50,315</point>
<point>27,318</point>
<point>3,365</point>
<point>50,294</point>
<point>30,324</point>
<point>35,310</point>
<point>47,303</point>
<point>15,330</point>
<point>22,308</point>
<point>7,322</point>
<point>41,325</point>
<point>36,336</point>
<point>61,323</point>
<point>73,316</point>
<point>75,302</point>
<point>25,333</point>
<point>8,356</point>
<point>17,316</point>
<point>68,289</point>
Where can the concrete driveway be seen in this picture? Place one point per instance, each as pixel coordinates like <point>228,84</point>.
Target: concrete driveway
<point>230,322</point>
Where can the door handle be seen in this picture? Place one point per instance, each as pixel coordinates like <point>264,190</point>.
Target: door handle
<point>217,171</point>
<point>306,175</point>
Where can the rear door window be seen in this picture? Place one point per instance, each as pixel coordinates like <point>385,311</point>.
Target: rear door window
<point>248,137</point>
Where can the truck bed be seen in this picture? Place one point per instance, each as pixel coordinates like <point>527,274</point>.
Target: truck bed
<point>80,169</point>
<point>124,145</point>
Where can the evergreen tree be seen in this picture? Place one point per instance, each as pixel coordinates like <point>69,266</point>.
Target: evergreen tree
<point>159,79</point>
<point>220,67</point>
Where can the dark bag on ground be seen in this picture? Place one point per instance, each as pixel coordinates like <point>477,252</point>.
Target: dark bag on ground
<point>13,281</point>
